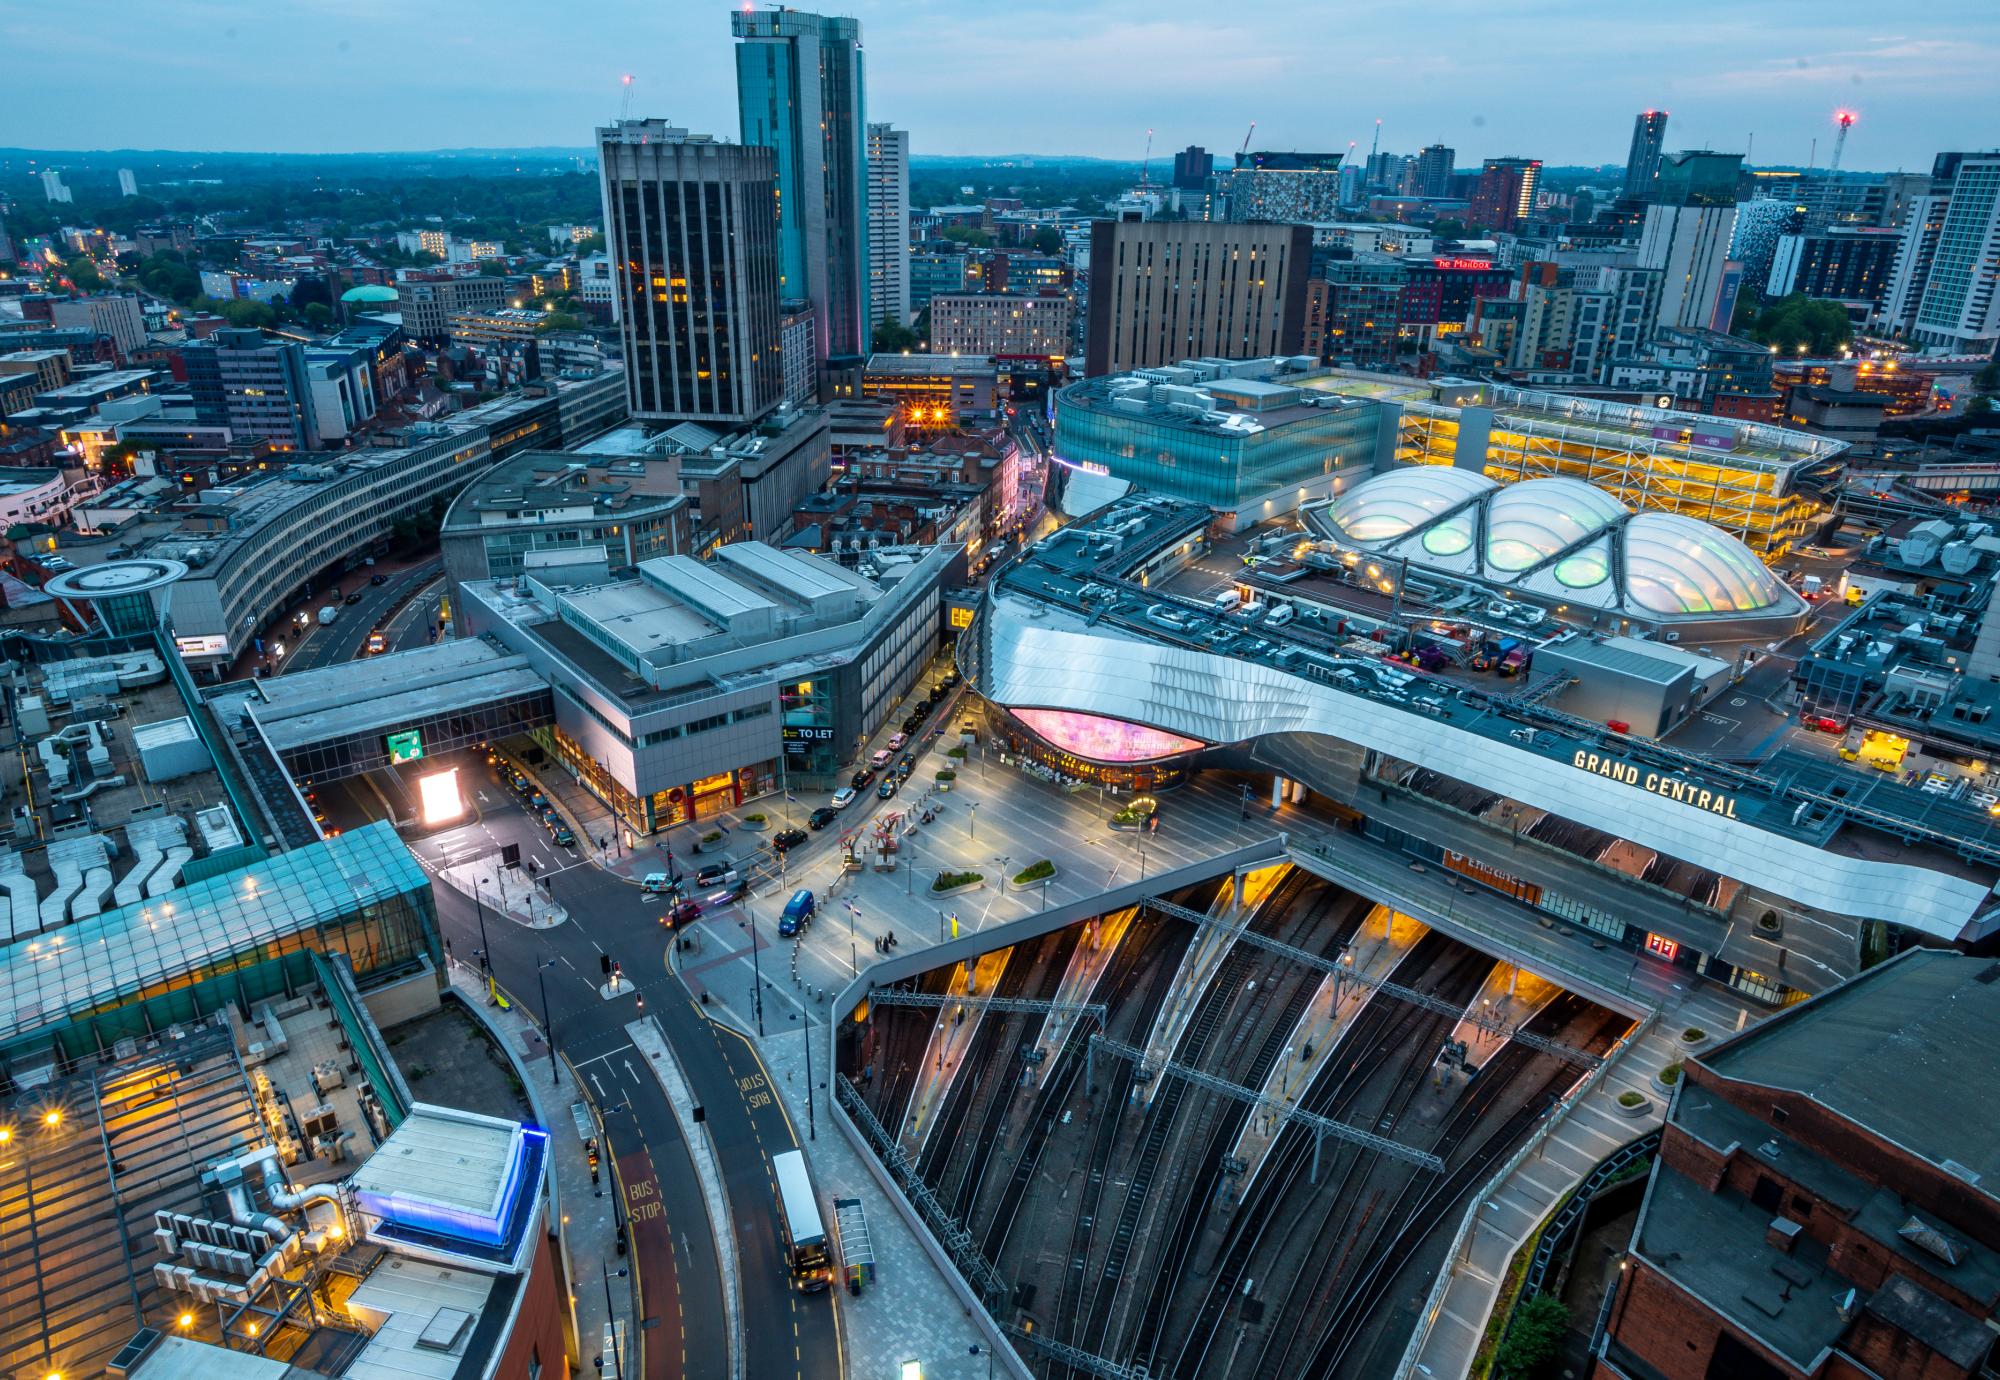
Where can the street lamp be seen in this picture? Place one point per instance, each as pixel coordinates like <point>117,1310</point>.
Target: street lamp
<point>548,1026</point>
<point>756,967</point>
<point>971,818</point>
<point>976,1349</point>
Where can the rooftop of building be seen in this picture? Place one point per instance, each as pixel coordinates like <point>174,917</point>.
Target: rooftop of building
<point>531,483</point>
<point>682,627</point>
<point>1902,1051</point>
<point>925,365</point>
<point>385,692</point>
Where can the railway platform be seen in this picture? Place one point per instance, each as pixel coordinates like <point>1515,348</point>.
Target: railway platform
<point>951,1037</point>
<point>1384,938</point>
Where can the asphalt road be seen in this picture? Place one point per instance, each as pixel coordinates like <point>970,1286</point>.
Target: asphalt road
<point>786,1334</point>
<point>343,641</point>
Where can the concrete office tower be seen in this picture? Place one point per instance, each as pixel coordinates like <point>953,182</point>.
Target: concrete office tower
<point>888,225</point>
<point>799,89</point>
<point>128,183</point>
<point>1434,168</point>
<point>1505,195</point>
<point>1642,164</point>
<point>52,186</point>
<point>1165,291</point>
<point>258,387</point>
<point>1192,165</point>
<point>692,234</point>
<point>1942,293</point>
<point>1686,237</point>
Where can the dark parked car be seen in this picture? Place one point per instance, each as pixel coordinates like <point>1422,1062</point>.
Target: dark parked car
<point>787,839</point>
<point>905,765</point>
<point>378,579</point>
<point>887,789</point>
<point>822,817</point>
<point>353,598</point>
<point>861,778</point>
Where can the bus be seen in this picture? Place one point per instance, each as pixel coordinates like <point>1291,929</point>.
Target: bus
<point>805,1242</point>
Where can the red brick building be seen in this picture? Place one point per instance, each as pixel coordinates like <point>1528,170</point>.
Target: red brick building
<point>1827,1197</point>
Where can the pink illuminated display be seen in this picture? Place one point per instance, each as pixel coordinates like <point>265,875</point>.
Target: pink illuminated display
<point>1098,739</point>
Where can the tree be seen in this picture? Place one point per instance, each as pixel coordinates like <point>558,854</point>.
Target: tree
<point>1820,327</point>
<point>1451,228</point>
<point>1987,380</point>
<point>244,312</point>
<point>590,244</point>
<point>1534,1339</point>
<point>1048,240</point>
<point>83,273</point>
<point>967,234</point>
<point>892,335</point>
<point>318,315</point>
<point>565,321</point>
<point>1979,406</point>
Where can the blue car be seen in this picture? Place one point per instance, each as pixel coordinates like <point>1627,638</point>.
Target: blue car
<point>798,913</point>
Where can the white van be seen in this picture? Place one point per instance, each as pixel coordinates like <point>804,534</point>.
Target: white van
<point>328,614</point>
<point>1280,615</point>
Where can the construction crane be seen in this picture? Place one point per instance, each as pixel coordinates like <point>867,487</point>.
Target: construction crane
<point>1845,119</point>
<point>1147,166</point>
<point>625,104</point>
<point>1248,136</point>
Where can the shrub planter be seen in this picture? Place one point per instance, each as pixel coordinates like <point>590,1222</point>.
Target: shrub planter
<point>1694,1036</point>
<point>710,842</point>
<point>945,779</point>
<point>1034,875</point>
<point>756,824</point>
<point>951,883</point>
<point>1668,1078</point>
<point>1633,1105</point>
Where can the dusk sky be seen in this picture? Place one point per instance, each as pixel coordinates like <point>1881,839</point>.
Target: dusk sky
<point>1555,79</point>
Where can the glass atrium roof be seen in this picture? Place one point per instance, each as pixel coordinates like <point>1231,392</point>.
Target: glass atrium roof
<point>46,980</point>
<point>1558,536</point>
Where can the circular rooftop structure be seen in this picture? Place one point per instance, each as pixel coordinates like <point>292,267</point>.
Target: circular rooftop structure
<point>112,579</point>
<point>1562,539</point>
<point>369,292</point>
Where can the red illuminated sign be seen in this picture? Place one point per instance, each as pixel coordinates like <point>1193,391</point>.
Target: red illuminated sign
<point>1664,947</point>
<point>1470,264</point>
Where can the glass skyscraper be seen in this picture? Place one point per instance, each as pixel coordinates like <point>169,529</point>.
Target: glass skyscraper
<point>799,89</point>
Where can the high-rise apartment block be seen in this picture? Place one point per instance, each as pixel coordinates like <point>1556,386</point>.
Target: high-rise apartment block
<point>128,182</point>
<point>1942,292</point>
<point>800,93</point>
<point>888,225</point>
<point>1433,170</point>
<point>1001,323</point>
<point>1164,291</point>
<point>1642,164</point>
<point>1505,195</point>
<point>53,188</point>
<point>258,388</point>
<point>1843,263</point>
<point>690,227</point>
<point>1686,236</point>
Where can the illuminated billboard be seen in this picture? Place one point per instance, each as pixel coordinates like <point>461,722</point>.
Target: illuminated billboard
<point>1099,739</point>
<point>406,746</point>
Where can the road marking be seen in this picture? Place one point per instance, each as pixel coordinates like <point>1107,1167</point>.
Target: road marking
<point>606,1055</point>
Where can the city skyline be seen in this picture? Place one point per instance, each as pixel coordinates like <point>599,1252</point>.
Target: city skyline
<point>1048,81</point>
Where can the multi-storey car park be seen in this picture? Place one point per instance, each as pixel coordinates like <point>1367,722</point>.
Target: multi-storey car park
<point>1257,438</point>
<point>1227,1122</point>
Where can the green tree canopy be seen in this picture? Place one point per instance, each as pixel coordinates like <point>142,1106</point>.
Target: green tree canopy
<point>1048,240</point>
<point>892,335</point>
<point>968,234</point>
<point>82,272</point>
<point>1534,1339</point>
<point>1821,327</point>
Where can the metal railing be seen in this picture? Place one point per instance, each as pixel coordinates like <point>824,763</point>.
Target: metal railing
<point>1469,1224</point>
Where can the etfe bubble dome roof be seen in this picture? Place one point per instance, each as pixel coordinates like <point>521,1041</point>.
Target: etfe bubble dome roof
<point>1561,538</point>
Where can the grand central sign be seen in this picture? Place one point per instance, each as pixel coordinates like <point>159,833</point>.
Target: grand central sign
<point>1673,788</point>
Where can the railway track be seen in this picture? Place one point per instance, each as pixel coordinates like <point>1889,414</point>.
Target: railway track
<point>1381,1029</point>
<point>1225,1120</point>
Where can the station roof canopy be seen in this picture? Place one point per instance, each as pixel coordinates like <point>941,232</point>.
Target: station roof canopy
<point>385,692</point>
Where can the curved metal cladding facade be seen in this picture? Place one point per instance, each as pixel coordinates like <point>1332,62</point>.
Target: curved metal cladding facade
<point>1560,539</point>
<point>1032,654</point>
